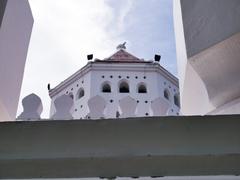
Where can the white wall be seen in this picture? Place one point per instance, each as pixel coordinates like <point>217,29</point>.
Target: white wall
<point>207,43</point>
<point>80,109</point>
<point>15,34</point>
<point>148,74</point>
<point>153,80</point>
<point>111,108</point>
<point>208,22</point>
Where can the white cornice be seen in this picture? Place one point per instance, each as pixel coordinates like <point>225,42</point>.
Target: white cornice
<point>146,67</point>
<point>106,66</point>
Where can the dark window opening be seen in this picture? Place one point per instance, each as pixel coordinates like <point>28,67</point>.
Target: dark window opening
<point>166,94</point>
<point>142,89</point>
<point>124,88</point>
<point>80,93</point>
<point>106,88</point>
<point>176,100</point>
<point>71,95</point>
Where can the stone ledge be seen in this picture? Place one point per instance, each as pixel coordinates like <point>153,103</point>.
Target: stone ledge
<point>153,146</point>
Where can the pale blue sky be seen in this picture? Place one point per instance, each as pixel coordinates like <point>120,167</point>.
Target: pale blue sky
<point>149,29</point>
<point>65,31</point>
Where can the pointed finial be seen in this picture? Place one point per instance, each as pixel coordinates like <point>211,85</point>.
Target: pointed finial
<point>122,46</point>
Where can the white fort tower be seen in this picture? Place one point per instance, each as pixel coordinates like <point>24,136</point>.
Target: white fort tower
<point>119,86</point>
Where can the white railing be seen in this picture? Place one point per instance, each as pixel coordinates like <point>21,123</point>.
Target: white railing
<point>32,107</point>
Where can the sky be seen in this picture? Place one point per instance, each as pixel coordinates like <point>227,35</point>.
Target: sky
<point>65,31</point>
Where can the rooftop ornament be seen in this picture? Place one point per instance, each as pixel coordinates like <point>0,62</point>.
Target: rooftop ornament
<point>122,46</point>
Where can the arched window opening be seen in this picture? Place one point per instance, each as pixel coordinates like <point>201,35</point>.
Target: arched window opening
<point>142,88</point>
<point>71,95</point>
<point>166,94</point>
<point>80,93</point>
<point>106,88</point>
<point>123,87</point>
<point>176,100</point>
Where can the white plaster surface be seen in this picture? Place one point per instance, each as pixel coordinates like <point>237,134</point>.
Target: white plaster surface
<point>218,67</point>
<point>15,34</point>
<point>208,22</point>
<point>96,106</point>
<point>229,108</point>
<point>94,75</point>
<point>4,112</point>
<point>180,43</point>
<point>128,107</point>
<point>194,97</point>
<point>160,106</point>
<point>32,108</point>
<point>207,43</point>
<point>63,105</point>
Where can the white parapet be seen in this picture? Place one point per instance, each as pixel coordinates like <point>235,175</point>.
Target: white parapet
<point>131,147</point>
<point>63,105</point>
<point>96,105</point>
<point>32,108</point>
<point>160,106</point>
<point>128,107</point>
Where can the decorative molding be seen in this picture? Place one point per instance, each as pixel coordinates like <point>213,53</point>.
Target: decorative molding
<point>103,65</point>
